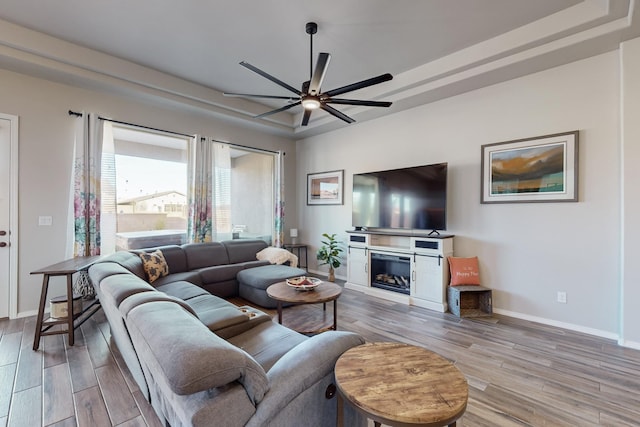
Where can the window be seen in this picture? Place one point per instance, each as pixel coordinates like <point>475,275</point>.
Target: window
<point>144,189</point>
<point>145,194</point>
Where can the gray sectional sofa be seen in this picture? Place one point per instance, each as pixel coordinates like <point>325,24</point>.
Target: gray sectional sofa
<point>203,361</point>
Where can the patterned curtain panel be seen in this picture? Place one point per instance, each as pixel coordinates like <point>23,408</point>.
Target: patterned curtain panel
<point>209,190</point>
<point>86,193</point>
<point>200,191</point>
<point>278,232</point>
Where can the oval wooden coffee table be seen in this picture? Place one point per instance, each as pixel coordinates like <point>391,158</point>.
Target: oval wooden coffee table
<point>401,385</point>
<point>323,293</point>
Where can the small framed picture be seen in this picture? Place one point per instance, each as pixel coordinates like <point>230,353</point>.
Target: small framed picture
<point>539,169</point>
<point>325,188</point>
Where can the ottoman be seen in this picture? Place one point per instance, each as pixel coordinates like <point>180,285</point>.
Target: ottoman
<point>253,282</point>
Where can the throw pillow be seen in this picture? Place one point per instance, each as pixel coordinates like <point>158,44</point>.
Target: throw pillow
<point>154,264</point>
<point>464,271</point>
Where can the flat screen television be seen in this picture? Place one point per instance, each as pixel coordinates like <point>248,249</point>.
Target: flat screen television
<point>407,198</point>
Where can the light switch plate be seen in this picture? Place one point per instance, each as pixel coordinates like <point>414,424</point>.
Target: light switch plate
<point>45,220</point>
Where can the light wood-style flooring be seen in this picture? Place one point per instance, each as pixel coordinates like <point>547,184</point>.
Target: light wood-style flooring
<point>519,373</point>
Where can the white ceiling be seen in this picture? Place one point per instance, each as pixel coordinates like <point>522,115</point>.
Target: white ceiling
<point>188,52</point>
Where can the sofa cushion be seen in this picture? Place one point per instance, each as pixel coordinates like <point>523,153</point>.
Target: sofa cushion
<point>121,286</point>
<point>207,302</point>
<point>128,260</point>
<point>264,276</point>
<point>154,264</point>
<point>185,276</point>
<point>144,297</point>
<point>191,358</point>
<point>222,317</point>
<point>219,273</point>
<point>252,264</point>
<point>181,289</point>
<point>242,250</point>
<point>267,342</point>
<point>200,255</point>
<point>101,270</point>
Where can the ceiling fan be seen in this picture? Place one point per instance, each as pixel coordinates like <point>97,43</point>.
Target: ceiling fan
<point>310,97</point>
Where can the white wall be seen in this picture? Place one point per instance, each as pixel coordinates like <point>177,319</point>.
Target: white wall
<point>527,252</point>
<point>630,90</point>
<point>45,154</point>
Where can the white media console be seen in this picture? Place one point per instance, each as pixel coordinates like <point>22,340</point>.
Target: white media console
<point>411,268</point>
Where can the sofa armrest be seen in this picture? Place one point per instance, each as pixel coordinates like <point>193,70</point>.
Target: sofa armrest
<point>302,367</point>
<point>177,347</point>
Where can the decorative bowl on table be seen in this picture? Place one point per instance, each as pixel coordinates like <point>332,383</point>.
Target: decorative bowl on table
<point>303,283</point>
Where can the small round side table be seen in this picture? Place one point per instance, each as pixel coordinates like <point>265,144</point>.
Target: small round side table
<point>401,385</point>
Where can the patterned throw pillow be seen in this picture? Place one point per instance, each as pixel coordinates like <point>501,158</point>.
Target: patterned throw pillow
<point>464,271</point>
<point>155,266</point>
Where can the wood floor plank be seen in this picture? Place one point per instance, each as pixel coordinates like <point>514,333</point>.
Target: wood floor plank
<point>10,348</point>
<point>15,325</point>
<point>120,403</point>
<point>53,350</point>
<point>135,422</point>
<point>82,373</point>
<point>7,374</point>
<point>96,345</point>
<point>69,422</point>
<point>30,363</point>
<point>26,408</point>
<point>57,397</point>
<point>90,408</point>
<point>117,356</point>
<point>149,415</point>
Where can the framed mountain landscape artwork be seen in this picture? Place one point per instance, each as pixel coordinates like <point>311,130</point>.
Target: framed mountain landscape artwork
<point>538,169</point>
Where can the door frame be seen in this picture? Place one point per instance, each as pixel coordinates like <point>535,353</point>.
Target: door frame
<point>13,214</point>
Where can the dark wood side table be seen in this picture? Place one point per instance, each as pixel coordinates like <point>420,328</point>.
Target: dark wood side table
<point>297,249</point>
<point>65,268</point>
<point>323,293</point>
<point>401,385</point>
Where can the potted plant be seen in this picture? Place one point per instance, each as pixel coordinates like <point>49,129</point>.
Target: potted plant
<point>329,253</point>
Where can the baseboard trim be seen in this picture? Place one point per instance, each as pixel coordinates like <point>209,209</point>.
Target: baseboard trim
<point>629,344</point>
<point>563,325</point>
<point>30,313</point>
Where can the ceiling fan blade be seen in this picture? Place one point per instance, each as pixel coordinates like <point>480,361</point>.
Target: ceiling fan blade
<point>277,110</point>
<point>357,102</point>
<point>359,85</point>
<point>319,73</point>
<point>305,117</point>
<point>329,109</point>
<point>270,77</point>
<point>248,95</point>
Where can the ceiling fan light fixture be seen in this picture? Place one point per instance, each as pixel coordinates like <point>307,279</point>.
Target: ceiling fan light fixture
<point>311,96</point>
<point>310,102</point>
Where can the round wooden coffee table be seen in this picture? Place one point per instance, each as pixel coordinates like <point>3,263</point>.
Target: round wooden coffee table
<point>323,293</point>
<point>401,385</point>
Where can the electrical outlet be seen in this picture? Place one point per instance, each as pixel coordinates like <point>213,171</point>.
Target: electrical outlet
<point>562,297</point>
<point>45,220</point>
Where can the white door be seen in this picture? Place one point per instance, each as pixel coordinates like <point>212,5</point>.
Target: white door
<point>8,211</point>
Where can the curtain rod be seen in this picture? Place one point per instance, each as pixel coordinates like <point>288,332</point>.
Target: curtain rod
<point>246,147</point>
<point>73,113</point>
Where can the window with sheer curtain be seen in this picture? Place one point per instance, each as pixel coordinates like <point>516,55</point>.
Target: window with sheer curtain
<point>146,184</point>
